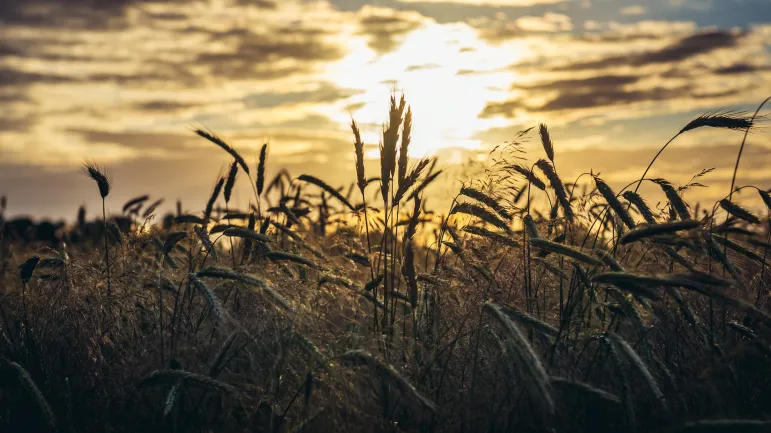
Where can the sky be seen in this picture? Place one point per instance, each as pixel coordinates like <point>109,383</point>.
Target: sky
<point>124,83</point>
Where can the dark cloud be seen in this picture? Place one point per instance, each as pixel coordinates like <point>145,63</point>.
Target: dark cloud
<point>156,71</point>
<point>609,37</point>
<point>284,43</point>
<point>165,106</point>
<point>10,94</point>
<point>167,16</point>
<point>15,78</point>
<point>384,30</point>
<point>617,90</point>
<point>7,50</point>
<point>255,55</point>
<point>611,96</point>
<point>741,68</point>
<point>264,4</point>
<point>19,79</point>
<point>500,34</point>
<point>598,92</point>
<point>603,90</point>
<point>16,124</point>
<point>421,67</point>
<point>312,122</point>
<point>138,140</point>
<point>326,92</point>
<point>355,106</point>
<point>690,46</point>
<point>89,14</point>
<point>583,84</point>
<point>468,72</point>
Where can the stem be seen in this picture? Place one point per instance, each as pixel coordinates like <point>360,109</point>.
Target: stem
<point>741,148</point>
<point>369,250</point>
<point>160,305</point>
<point>731,191</point>
<point>106,249</point>
<point>232,251</point>
<point>654,160</point>
<point>24,301</point>
<point>763,268</point>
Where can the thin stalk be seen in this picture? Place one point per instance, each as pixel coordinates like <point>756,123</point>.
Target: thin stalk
<point>160,305</point>
<point>106,249</point>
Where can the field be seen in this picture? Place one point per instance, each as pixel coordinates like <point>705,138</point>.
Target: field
<point>533,304</point>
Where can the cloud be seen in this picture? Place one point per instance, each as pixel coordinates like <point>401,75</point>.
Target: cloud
<point>10,77</point>
<point>95,14</point>
<point>16,124</point>
<point>384,27</point>
<point>267,54</point>
<point>515,3</point>
<point>324,92</point>
<point>572,94</point>
<point>593,93</point>
<point>583,85</point>
<point>165,106</point>
<point>422,67</point>
<point>118,81</point>
<point>742,68</point>
<point>702,42</point>
<point>613,31</point>
<point>634,10</point>
<point>168,143</point>
<point>659,70</point>
<point>502,29</point>
<point>549,22</point>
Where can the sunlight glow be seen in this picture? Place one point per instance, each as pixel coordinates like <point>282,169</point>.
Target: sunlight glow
<point>427,67</point>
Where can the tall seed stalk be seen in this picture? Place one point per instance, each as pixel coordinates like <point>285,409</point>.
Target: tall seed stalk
<point>361,183</point>
<point>102,180</point>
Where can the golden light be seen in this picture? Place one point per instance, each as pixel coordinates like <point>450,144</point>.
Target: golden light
<point>428,67</point>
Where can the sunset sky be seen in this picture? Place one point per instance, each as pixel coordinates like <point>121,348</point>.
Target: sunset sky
<point>124,83</point>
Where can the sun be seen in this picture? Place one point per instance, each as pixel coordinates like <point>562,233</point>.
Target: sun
<point>447,75</point>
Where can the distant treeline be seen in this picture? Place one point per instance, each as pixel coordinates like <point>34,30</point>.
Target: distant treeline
<point>26,229</point>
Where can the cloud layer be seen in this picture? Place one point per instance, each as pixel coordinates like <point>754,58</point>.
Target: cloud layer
<point>123,82</point>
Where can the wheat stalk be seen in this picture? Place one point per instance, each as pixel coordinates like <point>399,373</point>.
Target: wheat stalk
<point>641,206</point>
<point>211,298</point>
<point>387,372</point>
<point>137,201</point>
<point>28,385</point>
<point>738,211</point>
<point>529,366</point>
<point>564,250</point>
<point>231,181</point>
<point>486,199</point>
<point>649,230</point>
<point>558,187</point>
<point>546,142</point>
<point>615,204</point>
<point>163,377</point>
<point>102,179</point>
<point>219,142</point>
<point>321,184</point>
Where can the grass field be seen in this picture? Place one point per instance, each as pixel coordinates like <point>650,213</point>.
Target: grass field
<point>533,304</point>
